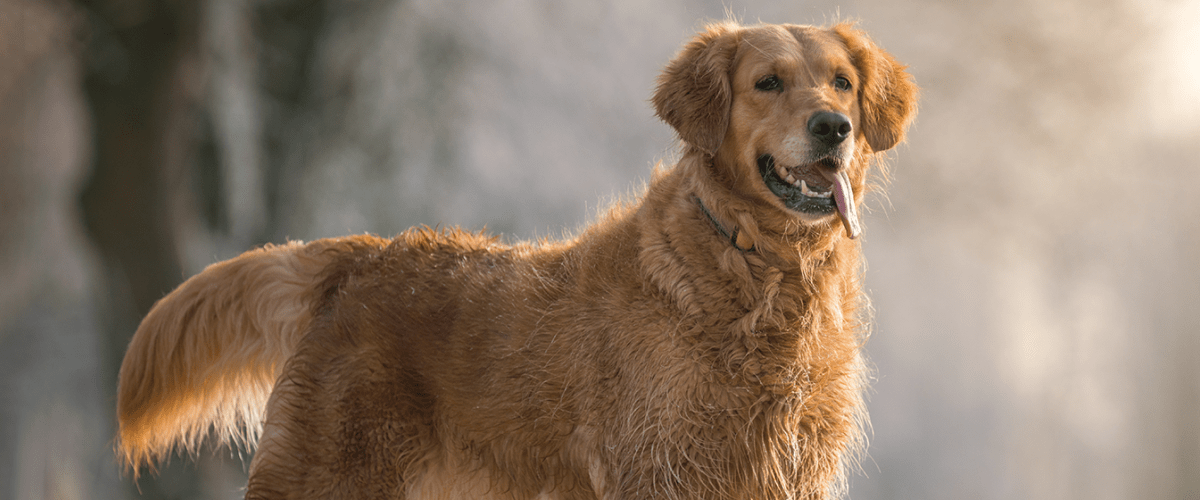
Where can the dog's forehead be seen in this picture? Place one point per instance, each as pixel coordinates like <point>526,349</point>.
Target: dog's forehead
<point>780,46</point>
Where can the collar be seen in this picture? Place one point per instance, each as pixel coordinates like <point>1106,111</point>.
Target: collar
<point>738,239</point>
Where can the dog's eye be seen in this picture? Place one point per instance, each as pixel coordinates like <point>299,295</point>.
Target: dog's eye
<point>841,83</point>
<point>768,83</point>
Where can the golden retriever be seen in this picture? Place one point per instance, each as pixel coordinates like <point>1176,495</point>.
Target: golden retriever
<point>701,342</point>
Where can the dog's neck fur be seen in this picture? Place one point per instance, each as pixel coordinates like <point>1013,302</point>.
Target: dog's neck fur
<point>779,327</point>
<point>808,262</point>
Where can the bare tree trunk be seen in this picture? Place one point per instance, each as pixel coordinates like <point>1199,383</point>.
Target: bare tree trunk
<point>136,83</point>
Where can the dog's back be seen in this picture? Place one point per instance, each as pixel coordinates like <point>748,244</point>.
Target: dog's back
<point>419,349</point>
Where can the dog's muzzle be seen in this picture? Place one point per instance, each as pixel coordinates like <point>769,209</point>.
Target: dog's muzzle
<point>818,188</point>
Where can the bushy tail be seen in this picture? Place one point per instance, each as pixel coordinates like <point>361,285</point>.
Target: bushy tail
<point>208,354</point>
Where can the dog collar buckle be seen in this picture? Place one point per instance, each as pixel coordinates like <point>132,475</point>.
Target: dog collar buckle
<point>736,237</point>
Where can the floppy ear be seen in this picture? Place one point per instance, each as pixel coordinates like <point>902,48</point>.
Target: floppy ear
<point>887,94</point>
<point>694,94</point>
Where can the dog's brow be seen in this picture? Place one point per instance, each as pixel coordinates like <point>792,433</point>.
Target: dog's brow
<point>755,47</point>
<point>759,50</point>
<point>808,68</point>
<point>807,43</point>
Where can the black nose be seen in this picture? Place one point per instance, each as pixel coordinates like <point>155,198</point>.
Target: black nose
<point>829,127</point>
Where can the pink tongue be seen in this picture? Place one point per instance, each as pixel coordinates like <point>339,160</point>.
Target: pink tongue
<point>844,197</point>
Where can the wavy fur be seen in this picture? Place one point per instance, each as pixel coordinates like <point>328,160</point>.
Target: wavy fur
<point>208,354</point>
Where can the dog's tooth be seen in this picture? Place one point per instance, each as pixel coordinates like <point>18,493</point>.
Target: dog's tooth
<point>804,188</point>
<point>786,175</point>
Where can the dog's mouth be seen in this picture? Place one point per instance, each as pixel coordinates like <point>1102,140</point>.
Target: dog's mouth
<point>818,188</point>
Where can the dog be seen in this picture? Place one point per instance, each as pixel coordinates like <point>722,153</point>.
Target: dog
<point>702,341</point>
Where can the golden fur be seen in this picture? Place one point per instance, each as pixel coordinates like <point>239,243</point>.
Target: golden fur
<point>665,352</point>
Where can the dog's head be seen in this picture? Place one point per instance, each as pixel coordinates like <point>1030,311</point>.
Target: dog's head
<point>788,113</point>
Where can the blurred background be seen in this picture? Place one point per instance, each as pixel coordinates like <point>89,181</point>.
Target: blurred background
<point>1035,267</point>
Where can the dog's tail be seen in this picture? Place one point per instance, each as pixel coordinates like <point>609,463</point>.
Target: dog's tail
<point>208,354</point>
